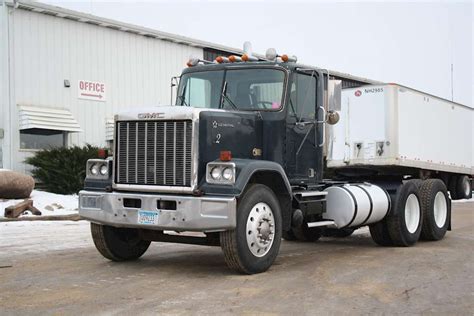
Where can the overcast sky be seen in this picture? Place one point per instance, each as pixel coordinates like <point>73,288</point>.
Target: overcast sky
<point>413,44</point>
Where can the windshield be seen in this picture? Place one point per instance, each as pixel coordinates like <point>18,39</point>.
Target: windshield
<point>238,89</point>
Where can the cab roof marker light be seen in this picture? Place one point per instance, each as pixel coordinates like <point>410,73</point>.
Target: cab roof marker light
<point>246,57</point>
<point>222,59</point>
<point>193,61</point>
<point>285,58</point>
<point>233,58</point>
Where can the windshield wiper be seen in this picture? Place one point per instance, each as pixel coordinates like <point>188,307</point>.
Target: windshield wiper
<point>226,97</point>
<point>183,101</point>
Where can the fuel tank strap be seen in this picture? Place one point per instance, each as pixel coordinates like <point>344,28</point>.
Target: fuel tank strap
<point>371,203</point>
<point>355,205</point>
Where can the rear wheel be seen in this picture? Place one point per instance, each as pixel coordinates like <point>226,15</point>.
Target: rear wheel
<point>436,208</point>
<point>118,244</point>
<point>405,219</point>
<point>253,245</point>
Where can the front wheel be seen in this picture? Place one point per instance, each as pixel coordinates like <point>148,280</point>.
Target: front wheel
<point>118,244</point>
<point>253,245</point>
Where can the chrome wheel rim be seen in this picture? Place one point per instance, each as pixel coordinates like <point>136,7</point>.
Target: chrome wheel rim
<point>260,231</point>
<point>412,213</point>
<point>440,209</point>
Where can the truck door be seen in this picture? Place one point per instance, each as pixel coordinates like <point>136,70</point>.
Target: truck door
<point>303,154</point>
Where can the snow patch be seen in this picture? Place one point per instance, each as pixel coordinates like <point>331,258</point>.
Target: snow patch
<point>465,200</point>
<point>47,203</point>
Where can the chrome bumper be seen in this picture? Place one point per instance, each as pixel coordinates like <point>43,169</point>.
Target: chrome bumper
<point>202,214</point>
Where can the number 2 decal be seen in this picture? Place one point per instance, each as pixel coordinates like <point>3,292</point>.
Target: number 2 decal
<point>218,139</point>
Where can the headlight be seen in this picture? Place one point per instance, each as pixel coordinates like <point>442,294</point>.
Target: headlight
<point>228,174</point>
<point>104,169</point>
<point>216,173</point>
<point>95,169</point>
<point>98,168</point>
<point>220,172</point>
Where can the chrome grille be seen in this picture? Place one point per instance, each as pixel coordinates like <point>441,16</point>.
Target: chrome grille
<point>154,153</point>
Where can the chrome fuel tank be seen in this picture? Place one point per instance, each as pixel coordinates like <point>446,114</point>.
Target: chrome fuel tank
<point>353,205</point>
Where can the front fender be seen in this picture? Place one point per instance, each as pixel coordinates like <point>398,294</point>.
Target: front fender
<point>245,169</point>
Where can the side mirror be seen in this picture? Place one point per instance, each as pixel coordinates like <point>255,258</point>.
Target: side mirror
<point>333,117</point>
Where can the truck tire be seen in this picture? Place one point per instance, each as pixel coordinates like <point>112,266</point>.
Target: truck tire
<point>253,245</point>
<point>380,235</point>
<point>436,208</point>
<point>338,233</point>
<point>463,188</point>
<point>118,244</point>
<point>307,234</point>
<point>405,219</point>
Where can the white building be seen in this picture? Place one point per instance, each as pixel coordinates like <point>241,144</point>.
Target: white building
<point>63,75</point>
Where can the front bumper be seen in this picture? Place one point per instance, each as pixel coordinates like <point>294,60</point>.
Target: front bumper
<point>189,213</point>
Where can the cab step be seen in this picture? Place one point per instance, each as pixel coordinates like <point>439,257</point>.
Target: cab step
<point>322,223</point>
<point>310,193</point>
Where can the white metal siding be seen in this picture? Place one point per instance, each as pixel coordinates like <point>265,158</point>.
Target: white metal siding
<point>135,69</point>
<point>4,87</point>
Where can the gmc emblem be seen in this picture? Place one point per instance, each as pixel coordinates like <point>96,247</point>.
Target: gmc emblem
<point>148,116</point>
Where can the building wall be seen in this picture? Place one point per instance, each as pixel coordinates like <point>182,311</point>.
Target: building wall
<point>48,50</point>
<point>4,86</point>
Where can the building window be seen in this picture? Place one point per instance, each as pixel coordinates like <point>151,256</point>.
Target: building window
<point>38,138</point>
<point>211,54</point>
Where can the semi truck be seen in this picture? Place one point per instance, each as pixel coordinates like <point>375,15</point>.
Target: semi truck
<point>259,149</point>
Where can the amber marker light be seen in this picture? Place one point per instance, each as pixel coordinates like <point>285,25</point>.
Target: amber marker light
<point>234,59</point>
<point>225,155</point>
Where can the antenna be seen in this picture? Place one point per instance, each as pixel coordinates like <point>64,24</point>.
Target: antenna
<point>452,88</point>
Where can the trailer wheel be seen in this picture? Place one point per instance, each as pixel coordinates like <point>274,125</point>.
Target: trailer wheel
<point>380,235</point>
<point>405,219</point>
<point>463,187</point>
<point>436,208</point>
<point>118,244</point>
<point>253,245</point>
<point>338,233</point>
<point>307,234</point>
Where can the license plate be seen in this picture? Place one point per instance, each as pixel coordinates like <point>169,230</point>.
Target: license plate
<point>148,217</point>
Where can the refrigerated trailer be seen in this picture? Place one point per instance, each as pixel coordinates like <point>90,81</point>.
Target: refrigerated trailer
<point>255,151</point>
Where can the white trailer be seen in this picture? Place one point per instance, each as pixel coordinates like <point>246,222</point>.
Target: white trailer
<point>394,129</point>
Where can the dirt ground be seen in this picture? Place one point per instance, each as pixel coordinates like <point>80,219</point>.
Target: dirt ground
<point>53,268</point>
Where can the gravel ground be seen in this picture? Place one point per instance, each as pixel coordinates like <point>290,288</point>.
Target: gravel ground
<point>53,268</point>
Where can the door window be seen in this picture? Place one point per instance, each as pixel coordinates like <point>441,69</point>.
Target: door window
<point>303,97</point>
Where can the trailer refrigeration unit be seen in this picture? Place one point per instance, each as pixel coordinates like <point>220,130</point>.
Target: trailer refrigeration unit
<point>256,150</point>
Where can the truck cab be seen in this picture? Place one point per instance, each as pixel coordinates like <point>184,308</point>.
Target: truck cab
<point>238,159</point>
